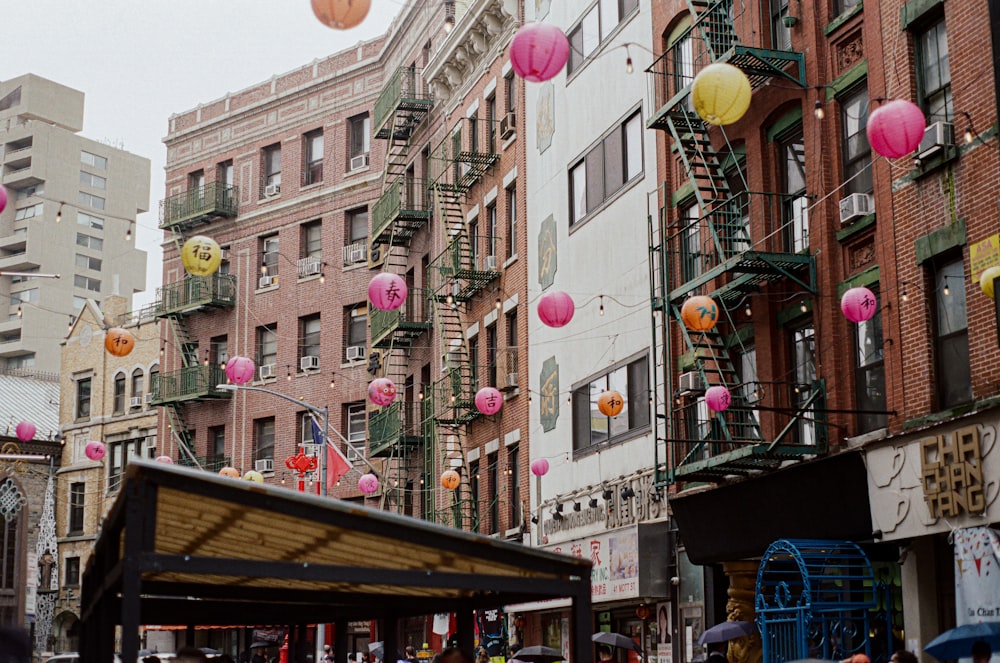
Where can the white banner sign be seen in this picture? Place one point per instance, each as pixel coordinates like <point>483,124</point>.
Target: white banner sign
<point>615,557</point>
<point>977,575</point>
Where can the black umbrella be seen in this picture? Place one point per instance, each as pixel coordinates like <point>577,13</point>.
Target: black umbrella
<point>726,631</point>
<point>616,640</point>
<point>210,651</point>
<point>538,654</point>
<point>957,642</point>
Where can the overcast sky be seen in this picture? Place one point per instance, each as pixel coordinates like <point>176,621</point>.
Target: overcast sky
<point>138,61</point>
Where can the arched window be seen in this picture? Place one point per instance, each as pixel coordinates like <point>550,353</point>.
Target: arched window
<point>137,383</point>
<point>154,379</point>
<point>119,404</point>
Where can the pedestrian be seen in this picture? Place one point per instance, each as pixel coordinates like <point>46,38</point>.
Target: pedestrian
<point>981,652</point>
<point>411,654</point>
<point>482,656</point>
<point>456,655</point>
<point>717,652</point>
<point>258,657</point>
<point>604,653</point>
<point>15,646</point>
<point>903,656</point>
<point>190,655</point>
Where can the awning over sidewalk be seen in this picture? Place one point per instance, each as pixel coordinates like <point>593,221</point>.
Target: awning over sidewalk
<point>182,546</point>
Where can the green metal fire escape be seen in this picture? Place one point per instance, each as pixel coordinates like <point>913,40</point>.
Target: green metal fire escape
<point>688,255</point>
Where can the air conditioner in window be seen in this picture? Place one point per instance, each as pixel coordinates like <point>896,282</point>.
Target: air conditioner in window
<point>266,371</point>
<point>135,401</point>
<point>691,383</point>
<point>224,253</point>
<point>936,137</point>
<point>309,362</point>
<point>490,264</point>
<point>264,465</point>
<point>359,161</point>
<point>267,281</point>
<point>507,126</point>
<point>855,206</point>
<point>510,381</point>
<point>355,352</point>
<point>272,190</point>
<point>148,397</point>
<point>357,253</point>
<point>310,266</point>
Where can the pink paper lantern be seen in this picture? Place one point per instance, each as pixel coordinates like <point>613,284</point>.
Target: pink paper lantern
<point>3,198</point>
<point>540,467</point>
<point>858,304</point>
<point>538,51</point>
<point>382,391</point>
<point>556,308</point>
<point>896,128</point>
<point>489,400</point>
<point>165,459</point>
<point>240,370</point>
<point>387,291</point>
<point>94,450</point>
<point>718,398</point>
<point>368,483</point>
<point>25,431</point>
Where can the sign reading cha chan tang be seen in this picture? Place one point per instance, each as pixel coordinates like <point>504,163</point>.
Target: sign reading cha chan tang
<point>615,556</point>
<point>952,473</point>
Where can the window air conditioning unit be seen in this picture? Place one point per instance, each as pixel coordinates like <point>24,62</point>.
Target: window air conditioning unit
<point>267,281</point>
<point>135,401</point>
<point>855,206</point>
<point>310,266</point>
<point>309,362</point>
<point>355,352</point>
<point>510,381</point>
<point>490,264</point>
<point>264,465</point>
<point>507,126</point>
<point>224,253</point>
<point>936,137</point>
<point>272,190</point>
<point>358,253</point>
<point>691,383</point>
<point>266,371</point>
<point>359,161</point>
<point>148,397</point>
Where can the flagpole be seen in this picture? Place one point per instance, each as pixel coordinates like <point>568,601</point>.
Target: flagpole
<point>326,450</point>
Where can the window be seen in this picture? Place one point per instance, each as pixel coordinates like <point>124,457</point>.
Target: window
<point>25,296</point>
<point>359,141</point>
<point>89,242</point>
<point>90,200</point>
<point>90,159</point>
<point>271,165</point>
<point>25,276</point>
<point>137,383</point>
<point>794,204</point>
<point>951,336</point>
<point>312,148</point>
<point>844,6</point>
<point>511,221</point>
<point>355,326</point>
<point>869,371</point>
<point>356,225</point>
<point>269,255</point>
<point>87,283</point>
<point>590,426</point>
<point>224,173</point>
<point>121,451</point>
<point>355,415</point>
<point>491,119</point>
<point>804,367</point>
<point>606,168</point>
<point>491,230</point>
<point>196,182</point>
<point>88,262</point>
<point>263,439</point>
<point>474,239</point>
<point>90,221</point>
<point>514,486</point>
<point>267,348</point>
<point>29,212</point>
<point>934,73</point>
<point>746,365</point>
<point>595,27</point>
<point>217,445</point>
<point>781,34</point>
<point>218,350</point>
<point>29,191</point>
<point>511,320</point>
<point>72,577</point>
<point>94,181</point>
<point>119,394</point>
<point>857,155</point>
<point>491,355</point>
<point>509,92</point>
<point>77,498</point>
<point>474,361</point>
<point>692,264</point>
<point>474,491</point>
<point>154,374</point>
<point>492,468</point>
<point>311,240</point>
<point>309,332</point>
<point>79,302</point>
<point>83,398</point>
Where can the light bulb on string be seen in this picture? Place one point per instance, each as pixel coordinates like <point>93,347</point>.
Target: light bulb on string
<point>969,136</point>
<point>748,311</point>
<point>905,297</point>
<point>803,307</point>
<point>818,111</point>
<point>128,233</point>
<point>600,309</point>
<point>946,291</point>
<point>322,277</point>
<point>59,213</point>
<point>20,313</point>
<point>333,381</point>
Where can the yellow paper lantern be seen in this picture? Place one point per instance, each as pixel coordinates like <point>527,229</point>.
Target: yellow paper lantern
<point>119,342</point>
<point>450,479</point>
<point>699,313</point>
<point>201,256</point>
<point>721,93</point>
<point>255,476</point>
<point>986,280</point>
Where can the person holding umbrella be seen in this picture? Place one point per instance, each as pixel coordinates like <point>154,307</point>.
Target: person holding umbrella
<point>717,652</point>
<point>981,652</point>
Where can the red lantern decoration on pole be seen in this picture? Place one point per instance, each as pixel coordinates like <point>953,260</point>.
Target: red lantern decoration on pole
<point>25,431</point>
<point>540,467</point>
<point>387,291</point>
<point>556,308</point>
<point>240,370</point>
<point>301,463</point>
<point>858,304</point>
<point>896,128</point>
<point>538,51</point>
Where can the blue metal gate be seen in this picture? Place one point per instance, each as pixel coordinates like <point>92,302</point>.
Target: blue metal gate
<point>813,599</point>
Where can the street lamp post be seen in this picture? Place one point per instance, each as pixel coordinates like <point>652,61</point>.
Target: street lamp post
<point>325,411</point>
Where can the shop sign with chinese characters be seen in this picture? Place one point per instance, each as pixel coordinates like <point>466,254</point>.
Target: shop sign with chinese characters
<point>615,557</point>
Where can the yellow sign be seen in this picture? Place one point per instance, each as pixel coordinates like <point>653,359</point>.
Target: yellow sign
<point>983,255</point>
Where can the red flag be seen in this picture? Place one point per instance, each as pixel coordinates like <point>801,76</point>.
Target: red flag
<point>337,464</point>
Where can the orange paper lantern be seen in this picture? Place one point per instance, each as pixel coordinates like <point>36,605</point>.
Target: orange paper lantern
<point>450,479</point>
<point>610,403</point>
<point>699,313</point>
<point>119,342</point>
<point>341,14</point>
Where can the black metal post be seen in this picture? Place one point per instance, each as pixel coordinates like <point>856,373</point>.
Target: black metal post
<point>340,641</point>
<point>466,630</point>
<point>582,624</point>
<point>390,639</point>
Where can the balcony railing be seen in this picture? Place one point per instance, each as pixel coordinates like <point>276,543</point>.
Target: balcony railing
<point>199,205</point>
<point>401,423</point>
<point>189,383</point>
<point>463,156</point>
<point>402,325</point>
<point>195,292</point>
<point>208,463</point>
<point>404,91</point>
<point>466,267</point>
<point>453,396</point>
<point>403,201</point>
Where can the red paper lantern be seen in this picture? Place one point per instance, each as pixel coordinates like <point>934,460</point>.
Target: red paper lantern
<point>699,313</point>
<point>556,308</point>
<point>538,51</point>
<point>540,467</point>
<point>718,398</point>
<point>25,431</point>
<point>450,479</point>
<point>896,128</point>
<point>387,291</point>
<point>341,14</point>
<point>610,403</point>
<point>858,304</point>
<point>489,400</point>
<point>94,450</point>
<point>368,483</point>
<point>382,391</point>
<point>240,370</point>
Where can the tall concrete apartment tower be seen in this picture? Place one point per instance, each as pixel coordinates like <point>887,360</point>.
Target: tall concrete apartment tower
<point>73,204</point>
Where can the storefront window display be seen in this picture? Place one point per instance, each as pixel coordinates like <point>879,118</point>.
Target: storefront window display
<point>690,607</point>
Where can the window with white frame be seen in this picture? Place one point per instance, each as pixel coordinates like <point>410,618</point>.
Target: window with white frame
<point>794,204</point>
<point>93,181</point>
<point>263,438</point>
<point>934,72</point>
<point>88,262</point>
<point>87,283</point>
<point>90,221</point>
<point>359,141</point>
<point>89,242</point>
<point>355,415</point>
<point>856,154</point>
<point>312,169</point>
<point>869,371</point>
<point>267,348</point>
<point>590,426</point>
<point>91,159</point>
<point>271,165</point>
<point>309,332</point>
<point>29,212</point>
<point>606,168</point>
<point>90,200</point>
<point>595,27</point>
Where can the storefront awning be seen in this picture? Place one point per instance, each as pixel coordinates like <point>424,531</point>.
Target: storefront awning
<point>825,498</point>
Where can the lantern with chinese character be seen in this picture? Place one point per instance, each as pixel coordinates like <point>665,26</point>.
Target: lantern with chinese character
<point>718,398</point>
<point>858,304</point>
<point>986,280</point>
<point>368,483</point>
<point>489,400</point>
<point>201,256</point>
<point>610,403</point>
<point>382,391</point>
<point>240,370</point>
<point>721,93</point>
<point>3,198</point>
<point>341,14</point>
<point>538,51</point>
<point>25,431</point>
<point>94,450</point>
<point>119,342</point>
<point>450,479</point>
<point>540,467</point>
<point>387,291</point>
<point>165,459</point>
<point>254,475</point>
<point>699,313</point>
<point>230,472</point>
<point>556,308</point>
<point>896,128</point>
